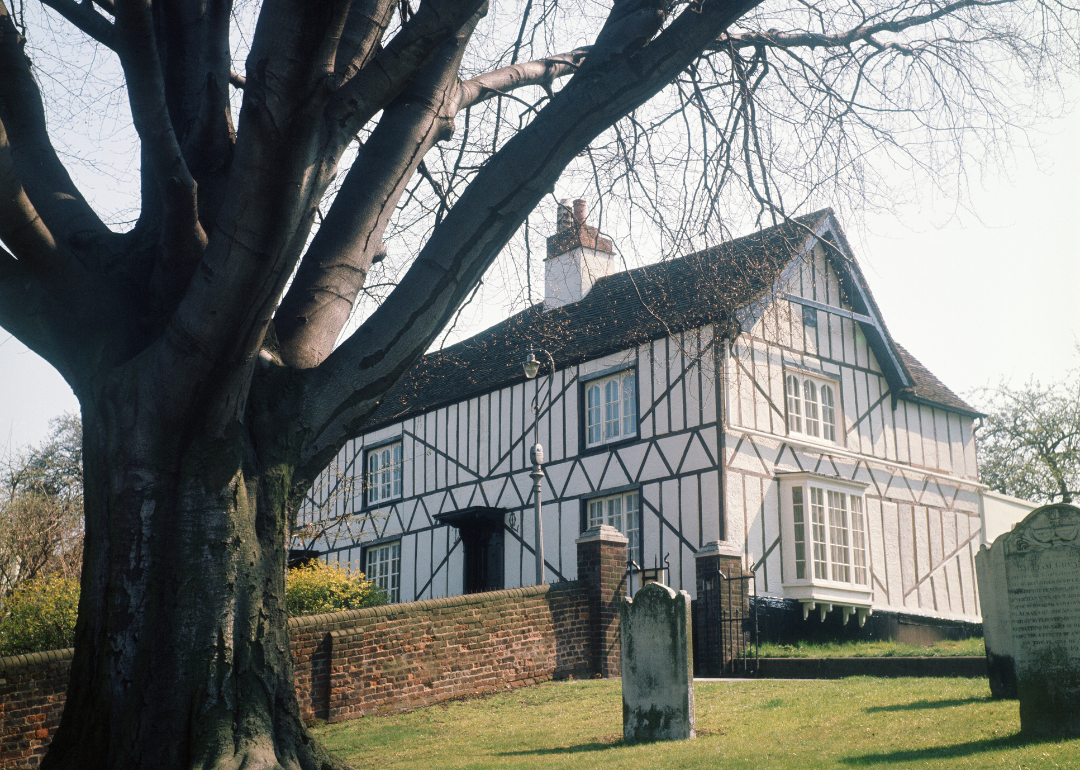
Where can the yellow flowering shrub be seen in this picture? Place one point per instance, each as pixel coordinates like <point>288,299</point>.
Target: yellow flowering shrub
<point>39,615</point>
<point>318,587</point>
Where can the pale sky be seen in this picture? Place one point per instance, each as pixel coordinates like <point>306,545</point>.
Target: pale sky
<point>976,297</point>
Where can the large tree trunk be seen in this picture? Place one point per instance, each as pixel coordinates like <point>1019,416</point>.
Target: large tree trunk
<point>182,651</point>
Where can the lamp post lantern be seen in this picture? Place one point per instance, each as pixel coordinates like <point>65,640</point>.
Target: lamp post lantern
<point>532,368</point>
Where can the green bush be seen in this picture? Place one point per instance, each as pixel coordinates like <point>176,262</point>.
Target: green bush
<point>40,615</point>
<point>318,587</point>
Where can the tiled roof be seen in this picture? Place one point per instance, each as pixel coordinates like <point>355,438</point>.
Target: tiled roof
<point>930,389</point>
<point>620,311</point>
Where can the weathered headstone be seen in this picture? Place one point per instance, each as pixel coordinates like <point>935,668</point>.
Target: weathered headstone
<point>657,665</point>
<point>997,625</point>
<point>1041,559</point>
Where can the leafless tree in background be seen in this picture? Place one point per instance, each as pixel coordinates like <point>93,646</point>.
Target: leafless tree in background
<point>1029,441</point>
<point>41,508</point>
<point>201,338</point>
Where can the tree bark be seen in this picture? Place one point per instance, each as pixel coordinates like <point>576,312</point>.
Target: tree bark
<point>182,652</point>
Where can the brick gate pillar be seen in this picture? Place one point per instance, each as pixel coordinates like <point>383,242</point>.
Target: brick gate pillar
<point>718,600</point>
<point>601,558</point>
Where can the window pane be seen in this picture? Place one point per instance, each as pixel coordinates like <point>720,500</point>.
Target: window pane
<point>810,401</point>
<point>395,572</point>
<point>828,413</point>
<point>592,418</point>
<point>633,526</point>
<point>611,407</point>
<point>794,404</point>
<point>629,404</point>
<point>373,478</point>
<point>614,513</point>
<point>817,526</point>
<point>596,513</point>
<point>839,550</point>
<point>858,541</point>
<point>397,470</point>
<point>800,532</point>
<point>384,466</point>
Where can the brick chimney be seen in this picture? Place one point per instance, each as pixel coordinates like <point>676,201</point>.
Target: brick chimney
<point>577,257</point>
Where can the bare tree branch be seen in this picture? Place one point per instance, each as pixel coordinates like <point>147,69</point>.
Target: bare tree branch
<point>27,311</point>
<point>774,38</point>
<point>391,69</point>
<point>332,272</point>
<point>365,27</point>
<point>83,16</point>
<point>183,234</point>
<point>44,178</point>
<point>20,226</point>
<point>347,387</point>
<point>542,72</point>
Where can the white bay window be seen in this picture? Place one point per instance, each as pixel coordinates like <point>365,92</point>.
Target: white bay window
<point>826,551</point>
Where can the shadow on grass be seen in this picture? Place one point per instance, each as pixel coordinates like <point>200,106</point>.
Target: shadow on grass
<point>929,704</point>
<point>611,741</point>
<point>579,749</point>
<point>967,749</point>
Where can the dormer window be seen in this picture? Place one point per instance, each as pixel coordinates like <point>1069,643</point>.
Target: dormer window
<point>811,406</point>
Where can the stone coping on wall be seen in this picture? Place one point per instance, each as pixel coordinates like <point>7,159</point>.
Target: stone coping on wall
<point>26,660</point>
<point>490,597</point>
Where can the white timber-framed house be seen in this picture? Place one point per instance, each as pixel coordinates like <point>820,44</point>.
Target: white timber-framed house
<point>749,394</point>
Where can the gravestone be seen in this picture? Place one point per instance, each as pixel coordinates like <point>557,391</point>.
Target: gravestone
<point>657,665</point>
<point>997,625</point>
<point>1040,559</point>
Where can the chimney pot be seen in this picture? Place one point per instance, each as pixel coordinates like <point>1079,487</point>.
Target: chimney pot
<point>565,220</point>
<point>579,211</point>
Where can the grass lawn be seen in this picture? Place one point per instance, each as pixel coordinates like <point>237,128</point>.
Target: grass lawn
<point>871,649</point>
<point>860,722</point>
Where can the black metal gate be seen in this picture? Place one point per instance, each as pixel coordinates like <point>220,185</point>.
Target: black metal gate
<point>725,624</point>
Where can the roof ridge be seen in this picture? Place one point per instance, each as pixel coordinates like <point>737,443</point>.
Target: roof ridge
<point>624,310</point>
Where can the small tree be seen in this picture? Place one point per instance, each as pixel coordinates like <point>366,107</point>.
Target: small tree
<point>1029,443</point>
<point>39,615</point>
<point>41,511</point>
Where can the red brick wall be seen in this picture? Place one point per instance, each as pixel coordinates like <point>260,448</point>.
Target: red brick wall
<point>409,655</point>
<point>32,693</point>
<point>348,664</point>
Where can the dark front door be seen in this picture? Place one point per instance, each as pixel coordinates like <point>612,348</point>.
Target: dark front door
<point>483,546</point>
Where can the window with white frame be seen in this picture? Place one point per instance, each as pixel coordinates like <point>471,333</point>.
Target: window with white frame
<point>611,408</point>
<point>621,511</point>
<point>826,526</point>
<point>811,406</point>
<point>384,568</point>
<point>384,473</point>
